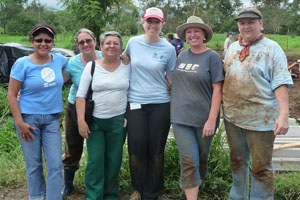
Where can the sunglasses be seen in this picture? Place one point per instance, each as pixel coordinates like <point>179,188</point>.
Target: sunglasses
<point>88,41</point>
<point>40,40</point>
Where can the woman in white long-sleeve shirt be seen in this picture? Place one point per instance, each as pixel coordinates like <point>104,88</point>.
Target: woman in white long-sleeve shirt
<point>106,134</point>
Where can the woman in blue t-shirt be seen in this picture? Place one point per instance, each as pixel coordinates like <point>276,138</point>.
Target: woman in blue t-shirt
<point>38,77</point>
<point>148,111</point>
<point>86,42</point>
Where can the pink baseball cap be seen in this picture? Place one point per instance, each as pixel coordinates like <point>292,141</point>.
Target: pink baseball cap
<point>154,12</point>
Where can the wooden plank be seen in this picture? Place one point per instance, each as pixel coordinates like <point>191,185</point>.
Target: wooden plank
<point>287,153</point>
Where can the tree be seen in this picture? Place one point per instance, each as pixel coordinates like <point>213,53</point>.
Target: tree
<point>92,14</point>
<point>275,14</point>
<point>8,9</point>
<point>219,14</point>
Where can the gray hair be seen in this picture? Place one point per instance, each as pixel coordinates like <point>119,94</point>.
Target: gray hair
<point>84,30</point>
<point>111,33</point>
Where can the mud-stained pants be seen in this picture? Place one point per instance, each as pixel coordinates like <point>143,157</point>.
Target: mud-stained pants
<point>259,144</point>
<point>148,129</point>
<point>193,151</point>
<point>73,143</point>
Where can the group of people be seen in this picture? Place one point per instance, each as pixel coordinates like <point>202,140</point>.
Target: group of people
<point>131,94</point>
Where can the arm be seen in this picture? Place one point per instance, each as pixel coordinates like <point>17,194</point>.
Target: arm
<point>25,129</point>
<point>226,45</point>
<point>66,76</point>
<point>125,59</point>
<point>210,124</point>
<point>282,122</point>
<point>83,128</point>
<point>81,98</point>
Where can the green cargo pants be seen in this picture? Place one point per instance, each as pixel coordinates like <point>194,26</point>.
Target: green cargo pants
<point>105,149</point>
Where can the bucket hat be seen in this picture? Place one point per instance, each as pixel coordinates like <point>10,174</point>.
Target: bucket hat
<point>196,22</point>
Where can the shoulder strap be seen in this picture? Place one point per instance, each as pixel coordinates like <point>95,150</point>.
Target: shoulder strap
<point>90,91</point>
<point>93,68</point>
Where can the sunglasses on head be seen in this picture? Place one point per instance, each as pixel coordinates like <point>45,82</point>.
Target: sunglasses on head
<point>88,41</point>
<point>40,40</point>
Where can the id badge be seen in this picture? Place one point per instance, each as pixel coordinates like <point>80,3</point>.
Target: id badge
<point>134,106</point>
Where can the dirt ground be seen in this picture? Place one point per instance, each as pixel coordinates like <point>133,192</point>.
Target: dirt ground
<point>294,91</point>
<point>20,193</point>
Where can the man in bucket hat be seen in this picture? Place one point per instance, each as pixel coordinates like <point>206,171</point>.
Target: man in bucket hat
<point>255,105</point>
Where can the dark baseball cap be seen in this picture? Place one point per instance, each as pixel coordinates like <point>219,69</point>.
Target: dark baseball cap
<point>249,12</point>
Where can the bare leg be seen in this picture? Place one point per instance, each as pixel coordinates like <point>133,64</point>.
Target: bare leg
<point>192,193</point>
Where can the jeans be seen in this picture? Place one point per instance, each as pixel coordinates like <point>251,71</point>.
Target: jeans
<point>193,152</point>
<point>74,141</point>
<point>148,129</point>
<point>47,140</point>
<point>259,144</point>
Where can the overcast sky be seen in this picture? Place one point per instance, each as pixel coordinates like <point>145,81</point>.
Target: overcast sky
<point>56,5</point>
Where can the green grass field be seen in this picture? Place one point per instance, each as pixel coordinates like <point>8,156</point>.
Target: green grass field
<point>290,44</point>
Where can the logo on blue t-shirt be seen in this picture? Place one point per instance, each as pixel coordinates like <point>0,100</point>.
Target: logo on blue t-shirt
<point>48,75</point>
<point>157,57</point>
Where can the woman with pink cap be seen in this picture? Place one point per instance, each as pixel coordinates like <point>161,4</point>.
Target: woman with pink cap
<point>148,110</point>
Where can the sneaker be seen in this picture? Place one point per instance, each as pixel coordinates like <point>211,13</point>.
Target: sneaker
<point>135,195</point>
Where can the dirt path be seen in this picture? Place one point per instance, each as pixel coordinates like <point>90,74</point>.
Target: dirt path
<point>22,194</point>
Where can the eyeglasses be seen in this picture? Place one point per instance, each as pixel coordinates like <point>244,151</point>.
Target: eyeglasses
<point>40,40</point>
<point>88,41</point>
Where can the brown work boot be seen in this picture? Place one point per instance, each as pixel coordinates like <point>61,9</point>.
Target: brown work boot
<point>135,195</point>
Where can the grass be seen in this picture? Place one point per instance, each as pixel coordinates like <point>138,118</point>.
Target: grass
<point>291,43</point>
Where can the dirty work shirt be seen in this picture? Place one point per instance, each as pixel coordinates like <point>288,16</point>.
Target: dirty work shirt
<point>109,89</point>
<point>41,91</point>
<point>74,69</point>
<point>191,92</point>
<point>149,62</point>
<point>249,100</point>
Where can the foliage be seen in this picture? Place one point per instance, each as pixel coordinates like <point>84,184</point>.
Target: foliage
<point>280,16</point>
<point>124,16</point>
<point>218,14</point>
<point>94,14</point>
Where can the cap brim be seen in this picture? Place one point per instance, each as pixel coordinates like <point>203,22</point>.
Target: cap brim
<point>207,30</point>
<point>154,16</point>
<point>42,27</point>
<point>247,15</point>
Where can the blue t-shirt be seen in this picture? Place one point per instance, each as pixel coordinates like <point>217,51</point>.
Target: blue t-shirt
<point>75,69</point>
<point>249,99</point>
<point>41,91</point>
<point>149,64</point>
<point>178,44</point>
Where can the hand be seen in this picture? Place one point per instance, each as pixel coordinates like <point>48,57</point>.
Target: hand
<point>125,59</point>
<point>83,129</point>
<point>209,128</point>
<point>281,126</point>
<point>25,131</point>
